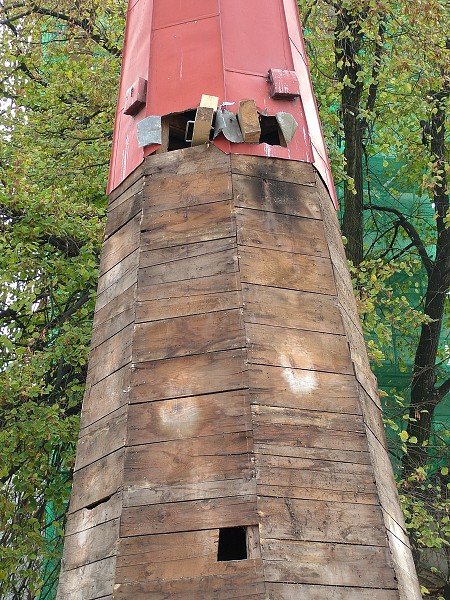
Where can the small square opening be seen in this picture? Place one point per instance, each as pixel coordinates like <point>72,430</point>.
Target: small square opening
<point>232,544</point>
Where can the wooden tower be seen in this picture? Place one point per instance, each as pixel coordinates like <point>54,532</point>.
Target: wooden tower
<point>231,442</point>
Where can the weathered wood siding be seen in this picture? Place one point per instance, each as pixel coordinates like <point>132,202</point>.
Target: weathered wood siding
<point>229,386</point>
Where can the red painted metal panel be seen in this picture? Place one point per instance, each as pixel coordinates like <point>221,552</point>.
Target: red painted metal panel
<point>223,48</point>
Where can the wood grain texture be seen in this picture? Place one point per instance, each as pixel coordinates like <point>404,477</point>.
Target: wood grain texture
<point>121,244</point>
<point>91,545</point>
<point>275,168</point>
<point>224,282</point>
<point>285,270</point>
<point>93,581</point>
<point>286,591</point>
<point>288,233</point>
<point>111,355</point>
<point>101,438</point>
<point>120,213</point>
<point>162,256</point>
<point>291,308</point>
<point>200,159</point>
<point>189,376</point>
<point>87,518</point>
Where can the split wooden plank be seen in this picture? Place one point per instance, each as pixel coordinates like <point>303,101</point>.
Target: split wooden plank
<point>328,467</point>
<point>120,213</point>
<point>189,287</point>
<point>188,225</point>
<point>286,270</point>
<point>190,516</point>
<point>111,355</point>
<point>97,482</point>
<point>162,256</point>
<point>327,564</point>
<point>296,348</point>
<point>200,159</point>
<point>298,490</point>
<point>300,388</point>
<point>185,418</point>
<point>291,308</point>
<point>105,397</point>
<point>295,450</point>
<point>275,196</point>
<point>275,168</point>
<point>188,190</point>
<point>189,376</point>
<point>114,317</point>
<point>87,518</point>
<point>116,281</point>
<point>101,438</point>
<point>286,591</point>
<point>121,244</point>
<point>288,233</point>
<point>321,521</point>
<point>194,334</point>
<point>90,582</point>
<point>91,545</point>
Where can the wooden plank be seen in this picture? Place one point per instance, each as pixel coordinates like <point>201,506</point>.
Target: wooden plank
<point>200,159</point>
<point>288,233</point>
<point>121,244</point>
<point>103,437</point>
<point>273,168</point>
<point>124,187</point>
<point>114,317</point>
<point>91,545</point>
<point>184,418</point>
<point>242,584</point>
<point>327,564</point>
<point>286,270</point>
<point>120,213</point>
<point>405,570</point>
<point>321,521</point>
<point>118,280</point>
<point>328,467</point>
<point>206,265</point>
<point>188,225</point>
<point>187,462</point>
<point>299,388</point>
<point>274,196</point>
<point>188,190</point>
<point>162,256</point>
<point>202,125</point>
<point>190,287</point>
<point>291,308</point>
<point>298,349</point>
<point>190,516</point>
<point>286,591</point>
<point>294,479</point>
<point>249,121</point>
<point>89,582</point>
<point>292,449</point>
<point>112,355</point>
<point>188,376</point>
<point>194,334</point>
<point>87,518</point>
<point>169,308</point>
<point>96,482</point>
<point>105,397</point>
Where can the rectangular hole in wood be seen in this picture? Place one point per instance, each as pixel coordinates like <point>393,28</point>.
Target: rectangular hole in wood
<point>232,544</point>
<point>177,129</point>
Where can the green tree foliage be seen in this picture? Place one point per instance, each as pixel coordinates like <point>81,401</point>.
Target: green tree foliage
<point>383,68</point>
<point>59,70</point>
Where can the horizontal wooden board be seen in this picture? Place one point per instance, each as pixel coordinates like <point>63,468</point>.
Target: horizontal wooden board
<point>87,518</point>
<point>126,187</point>
<point>190,287</point>
<point>169,308</point>
<point>161,256</point>
<point>105,397</point>
<point>188,225</point>
<point>198,159</point>
<point>289,233</point>
<point>184,418</point>
<point>96,482</point>
<point>279,197</point>
<point>298,490</point>
<point>321,521</point>
<point>295,477</point>
<point>111,355</point>
<point>328,467</point>
<point>171,556</point>
<point>273,168</point>
<point>191,189</point>
<point>189,376</point>
<point>189,516</point>
<point>300,388</point>
<point>91,545</point>
<point>121,244</point>
<point>194,334</point>
<point>405,570</point>
<point>327,564</point>
<point>295,450</point>
<point>291,308</point>
<point>90,582</point>
<point>113,317</point>
<point>192,267</point>
<point>286,591</point>
<point>120,213</point>
<point>298,349</point>
<point>118,279</point>
<point>285,270</point>
<point>102,438</point>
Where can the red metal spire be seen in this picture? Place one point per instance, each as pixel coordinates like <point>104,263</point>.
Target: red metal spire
<point>177,51</point>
